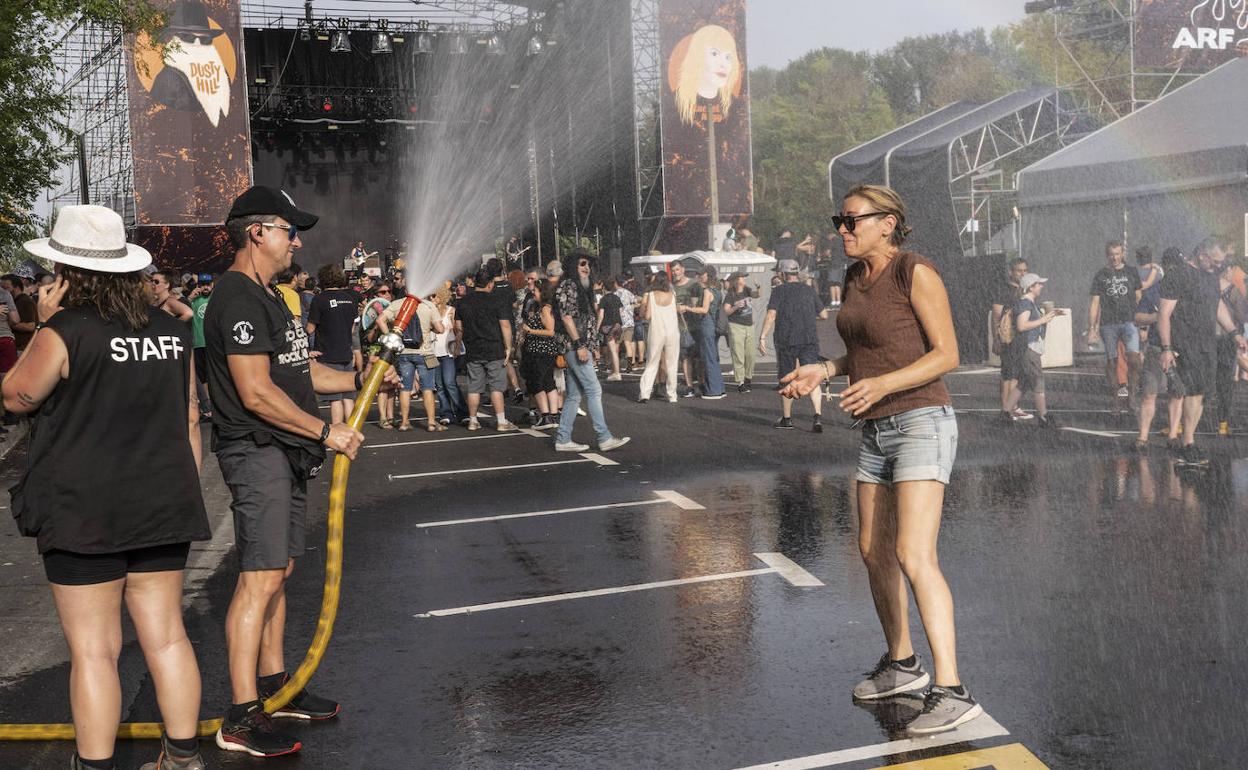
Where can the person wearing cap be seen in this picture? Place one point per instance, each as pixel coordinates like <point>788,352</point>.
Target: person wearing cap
<point>739,306</point>
<point>1031,325</point>
<point>85,494</point>
<point>792,310</point>
<point>269,440</point>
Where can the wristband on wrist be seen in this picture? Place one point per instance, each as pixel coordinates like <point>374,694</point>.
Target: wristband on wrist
<point>1167,349</point>
<point>359,380</point>
<point>39,325</point>
<point>325,433</point>
<point>827,370</point>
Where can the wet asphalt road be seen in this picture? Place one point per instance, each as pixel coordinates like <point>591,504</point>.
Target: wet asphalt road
<point>1099,599</point>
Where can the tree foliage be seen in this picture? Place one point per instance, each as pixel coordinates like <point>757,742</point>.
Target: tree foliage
<point>832,100</point>
<point>34,140</point>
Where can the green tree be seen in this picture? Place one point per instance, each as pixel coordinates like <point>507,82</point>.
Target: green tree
<point>816,107</point>
<point>33,134</point>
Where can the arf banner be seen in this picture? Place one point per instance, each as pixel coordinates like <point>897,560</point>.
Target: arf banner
<point>1196,35</point>
<point>188,115</point>
<point>704,76</point>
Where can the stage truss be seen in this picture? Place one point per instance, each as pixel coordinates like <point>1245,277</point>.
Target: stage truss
<point>91,72</point>
<point>648,155</point>
<point>1095,38</point>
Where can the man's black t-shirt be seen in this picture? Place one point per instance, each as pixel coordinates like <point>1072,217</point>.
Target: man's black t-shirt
<point>480,312</point>
<point>244,319</point>
<point>1007,295</point>
<point>505,296</point>
<point>1195,319</point>
<point>334,312</point>
<point>1117,289</point>
<point>610,305</point>
<point>797,306</point>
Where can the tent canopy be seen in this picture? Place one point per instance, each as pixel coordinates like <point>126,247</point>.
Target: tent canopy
<point>868,163</point>
<point>1193,138</point>
<point>725,262</point>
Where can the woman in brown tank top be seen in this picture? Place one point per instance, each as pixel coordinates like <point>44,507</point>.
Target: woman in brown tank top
<point>899,338</point>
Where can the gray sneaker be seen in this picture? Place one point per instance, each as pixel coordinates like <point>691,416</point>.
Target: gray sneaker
<point>614,442</point>
<point>889,678</point>
<point>167,760</point>
<point>944,710</point>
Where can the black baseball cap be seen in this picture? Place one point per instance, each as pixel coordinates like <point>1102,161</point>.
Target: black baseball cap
<point>270,200</point>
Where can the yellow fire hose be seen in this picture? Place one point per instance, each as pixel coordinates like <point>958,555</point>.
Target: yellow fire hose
<point>333,576</point>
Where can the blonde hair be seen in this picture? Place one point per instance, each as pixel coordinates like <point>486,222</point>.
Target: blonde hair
<point>685,69</point>
<point>886,200</point>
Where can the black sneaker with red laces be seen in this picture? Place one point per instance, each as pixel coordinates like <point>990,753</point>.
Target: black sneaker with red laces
<point>255,734</point>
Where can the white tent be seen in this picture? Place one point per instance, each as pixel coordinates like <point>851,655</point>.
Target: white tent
<point>725,262</point>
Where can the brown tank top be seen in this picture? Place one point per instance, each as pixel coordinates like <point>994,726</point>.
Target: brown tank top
<point>882,333</point>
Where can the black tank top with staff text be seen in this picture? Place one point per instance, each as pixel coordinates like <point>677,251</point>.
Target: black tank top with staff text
<point>110,465</point>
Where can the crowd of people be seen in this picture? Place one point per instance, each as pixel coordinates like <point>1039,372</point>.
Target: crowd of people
<point>1174,329</point>
<point>263,348</point>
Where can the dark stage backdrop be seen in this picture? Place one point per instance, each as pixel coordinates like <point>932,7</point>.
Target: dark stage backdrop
<point>331,176</point>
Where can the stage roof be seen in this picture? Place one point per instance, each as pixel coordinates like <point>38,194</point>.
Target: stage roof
<point>865,164</point>
<point>287,13</point>
<point>1195,137</point>
<point>941,137</point>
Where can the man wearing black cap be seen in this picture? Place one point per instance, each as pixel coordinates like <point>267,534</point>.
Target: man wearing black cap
<point>269,440</point>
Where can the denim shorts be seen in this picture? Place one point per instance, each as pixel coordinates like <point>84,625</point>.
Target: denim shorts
<point>411,367</point>
<point>918,445</point>
<point>1128,334</point>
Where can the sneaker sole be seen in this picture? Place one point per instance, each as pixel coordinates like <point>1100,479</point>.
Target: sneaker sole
<point>228,745</point>
<point>917,684</point>
<point>971,713</point>
<point>303,715</point>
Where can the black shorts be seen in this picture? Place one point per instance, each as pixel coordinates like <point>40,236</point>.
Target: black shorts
<point>68,568</point>
<point>1198,367</point>
<point>1012,360</point>
<point>789,358</point>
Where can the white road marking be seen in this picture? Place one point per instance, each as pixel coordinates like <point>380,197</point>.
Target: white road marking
<point>1086,432</point>
<point>585,457</point>
<point>977,729</point>
<point>661,496</point>
<point>787,574</point>
<point>678,499</point>
<point>443,440</point>
<point>788,569</point>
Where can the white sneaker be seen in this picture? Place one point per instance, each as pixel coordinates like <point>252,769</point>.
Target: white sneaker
<point>614,378</point>
<point>571,446</point>
<point>473,424</point>
<point>581,412</point>
<point>505,426</point>
<point>613,443</point>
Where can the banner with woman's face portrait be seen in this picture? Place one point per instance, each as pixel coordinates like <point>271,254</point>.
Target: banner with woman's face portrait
<point>704,76</point>
<point>188,114</point>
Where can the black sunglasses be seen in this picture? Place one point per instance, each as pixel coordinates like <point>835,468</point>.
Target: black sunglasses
<point>190,37</point>
<point>383,291</point>
<point>850,221</point>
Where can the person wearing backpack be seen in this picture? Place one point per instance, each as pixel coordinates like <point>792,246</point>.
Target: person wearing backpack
<point>418,367</point>
<point>1003,339</point>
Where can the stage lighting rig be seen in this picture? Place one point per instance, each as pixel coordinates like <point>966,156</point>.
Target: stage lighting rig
<point>459,46</point>
<point>382,43</point>
<point>340,41</point>
<point>424,40</point>
<point>494,45</point>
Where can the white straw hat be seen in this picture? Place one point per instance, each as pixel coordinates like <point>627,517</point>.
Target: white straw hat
<point>92,238</point>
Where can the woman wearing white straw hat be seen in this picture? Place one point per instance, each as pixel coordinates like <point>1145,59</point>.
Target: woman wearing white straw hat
<point>86,492</point>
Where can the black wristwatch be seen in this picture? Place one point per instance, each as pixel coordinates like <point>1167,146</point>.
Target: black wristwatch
<point>325,433</point>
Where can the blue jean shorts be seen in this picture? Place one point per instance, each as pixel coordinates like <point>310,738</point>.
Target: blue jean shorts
<point>918,445</point>
<point>1112,334</point>
<point>410,368</point>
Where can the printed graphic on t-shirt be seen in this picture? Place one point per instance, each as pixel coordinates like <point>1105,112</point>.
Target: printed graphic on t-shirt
<point>244,333</point>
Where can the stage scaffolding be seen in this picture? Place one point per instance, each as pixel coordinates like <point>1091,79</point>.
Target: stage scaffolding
<point>648,156</point>
<point>91,72</point>
<point>1095,40</point>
